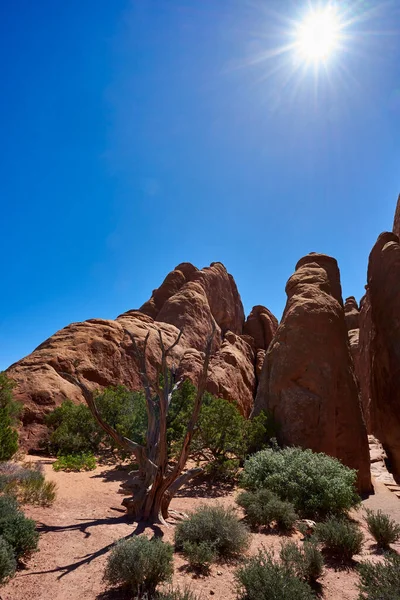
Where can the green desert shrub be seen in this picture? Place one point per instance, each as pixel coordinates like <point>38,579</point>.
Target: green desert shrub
<point>384,529</point>
<point>316,484</point>
<point>263,507</point>
<point>216,526</point>
<point>84,461</point>
<point>305,562</point>
<point>140,564</point>
<point>200,555</point>
<point>380,581</point>
<point>9,413</point>
<point>125,411</point>
<point>16,529</point>
<point>8,563</point>
<point>262,578</point>
<point>223,437</point>
<point>27,483</point>
<point>340,537</point>
<point>73,429</point>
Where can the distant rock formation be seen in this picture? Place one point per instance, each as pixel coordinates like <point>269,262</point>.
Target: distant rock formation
<point>100,351</point>
<point>308,378</point>
<point>381,343</point>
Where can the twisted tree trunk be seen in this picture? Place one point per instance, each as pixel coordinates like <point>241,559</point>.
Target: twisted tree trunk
<point>153,485</point>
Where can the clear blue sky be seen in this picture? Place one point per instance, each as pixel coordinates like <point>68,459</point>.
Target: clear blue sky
<point>140,134</point>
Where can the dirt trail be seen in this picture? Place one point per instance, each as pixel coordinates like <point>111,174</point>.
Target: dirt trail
<point>77,532</point>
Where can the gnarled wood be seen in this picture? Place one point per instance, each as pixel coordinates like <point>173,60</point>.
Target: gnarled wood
<point>156,481</point>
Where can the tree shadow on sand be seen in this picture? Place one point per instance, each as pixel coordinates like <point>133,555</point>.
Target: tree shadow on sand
<point>87,558</point>
<point>116,474</point>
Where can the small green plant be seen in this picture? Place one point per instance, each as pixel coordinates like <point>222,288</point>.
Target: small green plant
<point>16,529</point>
<point>384,529</point>
<point>85,461</point>
<point>380,581</point>
<point>9,413</point>
<point>216,526</point>
<point>176,594</point>
<point>316,484</point>
<point>262,578</point>
<point>8,563</point>
<point>140,564</point>
<point>341,538</point>
<point>305,562</point>
<point>263,507</point>
<point>199,555</point>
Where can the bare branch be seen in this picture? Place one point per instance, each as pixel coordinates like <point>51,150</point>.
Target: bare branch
<point>184,478</point>
<point>195,413</point>
<point>127,444</point>
<point>168,350</point>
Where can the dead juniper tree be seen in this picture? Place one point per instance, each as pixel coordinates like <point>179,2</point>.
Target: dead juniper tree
<point>157,479</point>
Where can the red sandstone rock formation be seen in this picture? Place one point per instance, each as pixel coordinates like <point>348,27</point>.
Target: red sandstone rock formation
<point>100,352</point>
<point>308,376</point>
<point>352,318</point>
<point>351,313</point>
<point>382,340</point>
<point>396,222</point>
<point>261,325</point>
<point>364,360</point>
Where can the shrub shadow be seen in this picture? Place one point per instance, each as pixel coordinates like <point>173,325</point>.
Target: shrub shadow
<point>205,487</point>
<point>115,594</point>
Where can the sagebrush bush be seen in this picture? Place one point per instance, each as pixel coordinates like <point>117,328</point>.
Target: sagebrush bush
<point>217,526</point>
<point>84,461</point>
<point>384,529</point>
<point>380,581</point>
<point>8,563</point>
<point>20,532</point>
<point>305,562</point>
<point>341,538</point>
<point>263,507</point>
<point>316,484</point>
<point>16,529</point>
<point>262,578</point>
<point>140,564</point>
<point>199,555</point>
<point>27,483</point>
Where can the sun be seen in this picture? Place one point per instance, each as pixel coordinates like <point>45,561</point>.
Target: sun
<point>318,35</point>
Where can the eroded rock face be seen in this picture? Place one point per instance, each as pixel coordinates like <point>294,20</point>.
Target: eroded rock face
<point>383,337</point>
<point>100,351</point>
<point>351,313</point>
<point>364,360</point>
<point>352,318</point>
<point>396,222</point>
<point>261,325</point>
<point>308,379</point>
